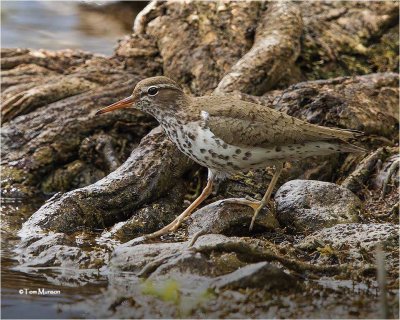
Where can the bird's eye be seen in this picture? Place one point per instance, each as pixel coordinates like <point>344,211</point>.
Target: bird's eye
<point>152,91</point>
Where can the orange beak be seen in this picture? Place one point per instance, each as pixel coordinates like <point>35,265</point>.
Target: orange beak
<point>124,103</point>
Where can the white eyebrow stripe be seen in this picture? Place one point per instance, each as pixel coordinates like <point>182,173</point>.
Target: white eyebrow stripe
<point>161,86</point>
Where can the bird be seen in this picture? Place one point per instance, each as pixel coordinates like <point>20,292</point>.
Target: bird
<point>228,135</point>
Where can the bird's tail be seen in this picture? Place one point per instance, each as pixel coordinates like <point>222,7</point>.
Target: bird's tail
<point>342,134</point>
<point>345,137</point>
<point>349,147</point>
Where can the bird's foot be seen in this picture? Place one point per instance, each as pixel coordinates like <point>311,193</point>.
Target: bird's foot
<point>249,201</point>
<point>256,212</point>
<point>243,201</point>
<point>256,205</point>
<point>171,227</point>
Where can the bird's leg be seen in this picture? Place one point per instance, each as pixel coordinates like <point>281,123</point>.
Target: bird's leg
<point>258,205</point>
<point>204,194</point>
<point>179,219</point>
<point>267,195</point>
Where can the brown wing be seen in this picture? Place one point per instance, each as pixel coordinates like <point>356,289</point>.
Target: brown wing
<point>244,123</point>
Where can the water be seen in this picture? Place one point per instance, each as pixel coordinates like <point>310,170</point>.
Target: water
<point>59,25</point>
<point>17,304</point>
<point>52,25</point>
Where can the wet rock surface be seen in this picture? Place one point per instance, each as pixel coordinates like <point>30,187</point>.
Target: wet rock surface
<point>258,275</point>
<point>58,250</point>
<point>145,259</point>
<point>307,206</point>
<point>208,265</point>
<point>135,258</point>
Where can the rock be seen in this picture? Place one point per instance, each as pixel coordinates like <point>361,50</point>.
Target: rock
<point>353,235</point>
<point>191,270</point>
<point>355,243</point>
<point>134,258</point>
<point>144,258</point>
<point>58,255</point>
<point>257,275</point>
<point>34,245</point>
<point>229,219</point>
<point>59,250</point>
<point>188,261</point>
<point>308,206</point>
<point>160,262</point>
<point>208,257</point>
<point>211,263</point>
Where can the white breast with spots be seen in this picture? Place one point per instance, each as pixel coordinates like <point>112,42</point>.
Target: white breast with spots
<point>199,143</point>
<point>215,153</point>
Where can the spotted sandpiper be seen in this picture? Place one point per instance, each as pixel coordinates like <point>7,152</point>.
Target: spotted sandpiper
<point>228,135</point>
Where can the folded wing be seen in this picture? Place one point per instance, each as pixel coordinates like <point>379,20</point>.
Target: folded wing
<point>246,124</point>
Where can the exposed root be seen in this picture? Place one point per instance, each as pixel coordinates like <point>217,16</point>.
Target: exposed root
<point>254,253</point>
<point>150,12</point>
<point>392,169</point>
<point>27,101</point>
<point>355,181</point>
<point>276,47</point>
<point>149,268</point>
<point>102,145</point>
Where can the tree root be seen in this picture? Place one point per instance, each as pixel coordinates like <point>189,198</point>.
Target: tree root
<point>28,100</point>
<point>276,47</point>
<point>151,170</point>
<point>149,268</point>
<point>254,252</point>
<point>62,61</point>
<point>355,181</point>
<point>392,169</point>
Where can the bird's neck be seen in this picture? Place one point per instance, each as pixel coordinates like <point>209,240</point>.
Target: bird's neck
<point>176,111</point>
<point>178,119</point>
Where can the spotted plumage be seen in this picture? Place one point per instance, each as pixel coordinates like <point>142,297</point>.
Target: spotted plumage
<point>226,134</point>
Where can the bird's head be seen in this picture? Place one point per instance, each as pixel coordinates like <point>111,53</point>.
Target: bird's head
<point>151,95</point>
